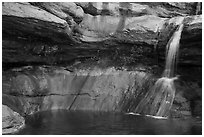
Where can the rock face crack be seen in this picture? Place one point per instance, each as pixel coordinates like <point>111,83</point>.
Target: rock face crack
<point>7,127</point>
<point>79,92</point>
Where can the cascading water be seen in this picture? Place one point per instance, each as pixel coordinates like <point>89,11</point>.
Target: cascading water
<point>159,99</point>
<point>172,53</point>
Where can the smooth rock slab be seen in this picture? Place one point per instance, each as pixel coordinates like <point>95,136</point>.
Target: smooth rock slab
<point>26,21</point>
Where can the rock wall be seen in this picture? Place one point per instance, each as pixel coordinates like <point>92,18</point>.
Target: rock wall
<point>59,33</point>
<point>28,91</point>
<point>98,90</point>
<point>127,36</point>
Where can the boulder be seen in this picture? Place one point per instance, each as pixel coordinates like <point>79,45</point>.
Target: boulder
<point>11,120</point>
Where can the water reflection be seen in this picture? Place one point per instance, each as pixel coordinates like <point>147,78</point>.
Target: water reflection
<point>80,122</point>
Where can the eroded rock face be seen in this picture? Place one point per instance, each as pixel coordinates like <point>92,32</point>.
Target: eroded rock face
<point>99,90</point>
<point>28,91</point>
<point>58,31</point>
<point>11,120</point>
<point>161,9</point>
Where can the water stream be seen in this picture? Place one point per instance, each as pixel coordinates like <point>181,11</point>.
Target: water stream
<point>159,99</point>
<point>172,50</point>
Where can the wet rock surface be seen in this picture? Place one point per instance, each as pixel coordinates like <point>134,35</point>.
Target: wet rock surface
<point>11,120</point>
<point>107,90</point>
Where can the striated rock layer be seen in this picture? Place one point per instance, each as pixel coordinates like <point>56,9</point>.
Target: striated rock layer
<point>54,33</point>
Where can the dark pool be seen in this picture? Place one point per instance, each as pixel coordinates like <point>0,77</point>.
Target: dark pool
<point>80,122</point>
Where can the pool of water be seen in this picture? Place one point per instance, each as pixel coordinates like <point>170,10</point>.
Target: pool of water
<point>85,122</point>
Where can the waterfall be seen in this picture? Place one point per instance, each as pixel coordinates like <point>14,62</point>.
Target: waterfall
<point>159,99</point>
<point>172,52</point>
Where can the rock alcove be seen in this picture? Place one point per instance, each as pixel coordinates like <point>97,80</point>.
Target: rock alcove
<point>97,56</point>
